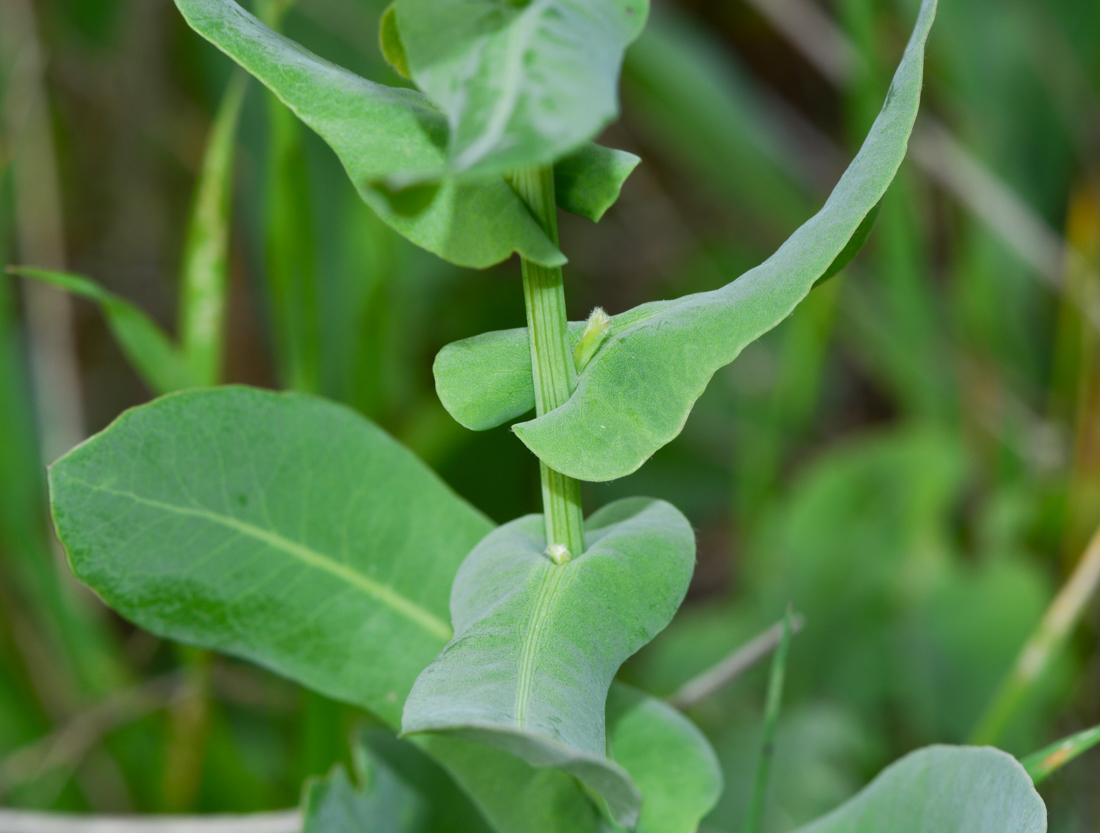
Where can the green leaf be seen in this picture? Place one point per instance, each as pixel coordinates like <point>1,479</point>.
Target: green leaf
<point>542,696</point>
<point>588,181</point>
<point>275,527</point>
<point>512,795</point>
<point>1048,760</point>
<point>148,348</point>
<point>638,391</point>
<point>521,84</point>
<point>393,50</point>
<point>939,789</point>
<point>289,263</point>
<point>379,132</point>
<point>205,272</point>
<point>670,760</point>
<point>380,800</point>
<point>449,808</point>
<point>203,518</point>
<point>848,253</point>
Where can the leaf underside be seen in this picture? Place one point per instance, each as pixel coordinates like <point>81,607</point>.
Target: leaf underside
<point>381,133</point>
<point>637,392</point>
<point>541,696</point>
<point>939,789</point>
<point>522,84</point>
<point>294,533</point>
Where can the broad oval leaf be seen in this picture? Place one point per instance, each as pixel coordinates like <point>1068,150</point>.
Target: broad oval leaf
<point>294,533</point>
<point>521,83</point>
<point>377,132</point>
<point>637,392</point>
<point>275,527</point>
<point>537,644</point>
<point>940,789</point>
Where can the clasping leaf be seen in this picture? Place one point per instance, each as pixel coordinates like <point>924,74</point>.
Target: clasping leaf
<point>637,392</point>
<point>381,133</point>
<point>521,84</point>
<point>537,644</point>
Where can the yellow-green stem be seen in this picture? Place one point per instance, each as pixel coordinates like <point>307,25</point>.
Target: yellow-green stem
<point>551,358</point>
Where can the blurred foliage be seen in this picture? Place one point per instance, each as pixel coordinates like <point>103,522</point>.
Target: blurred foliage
<point>913,459</point>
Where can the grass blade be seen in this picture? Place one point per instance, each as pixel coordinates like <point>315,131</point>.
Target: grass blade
<point>291,267</point>
<point>147,347</point>
<point>771,719</point>
<point>205,261</point>
<point>1050,759</point>
<point>1047,640</point>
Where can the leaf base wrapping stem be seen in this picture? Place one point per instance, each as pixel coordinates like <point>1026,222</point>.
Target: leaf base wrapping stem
<point>552,364</point>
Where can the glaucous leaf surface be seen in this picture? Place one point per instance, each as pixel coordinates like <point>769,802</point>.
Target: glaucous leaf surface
<point>939,789</point>
<point>514,796</point>
<point>380,801</point>
<point>588,181</point>
<point>449,809</point>
<point>275,527</point>
<point>378,132</point>
<point>669,759</point>
<point>146,346</point>
<point>521,83</point>
<point>638,390</point>
<point>671,762</point>
<point>381,133</point>
<point>295,533</point>
<point>537,644</point>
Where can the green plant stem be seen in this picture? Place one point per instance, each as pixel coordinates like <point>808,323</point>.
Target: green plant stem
<point>771,718</point>
<point>552,365</point>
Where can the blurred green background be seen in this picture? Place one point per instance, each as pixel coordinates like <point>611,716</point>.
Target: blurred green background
<point>913,459</point>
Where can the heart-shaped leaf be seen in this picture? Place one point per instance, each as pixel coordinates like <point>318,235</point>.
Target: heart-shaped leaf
<point>276,527</point>
<point>521,83</point>
<point>537,644</point>
<point>638,390</point>
<point>941,789</point>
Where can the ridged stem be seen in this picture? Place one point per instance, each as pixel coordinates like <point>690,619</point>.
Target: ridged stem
<point>551,358</point>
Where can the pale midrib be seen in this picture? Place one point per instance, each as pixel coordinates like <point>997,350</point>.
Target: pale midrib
<point>380,592</point>
<point>539,623</point>
<point>518,38</point>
